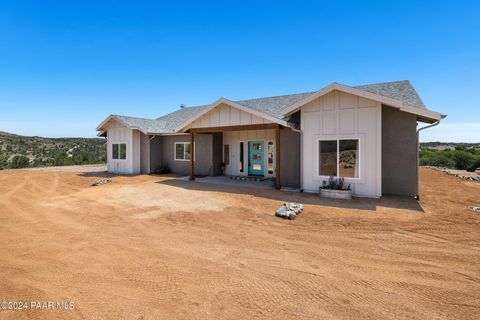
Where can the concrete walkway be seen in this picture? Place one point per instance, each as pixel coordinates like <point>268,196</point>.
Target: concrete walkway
<point>225,180</point>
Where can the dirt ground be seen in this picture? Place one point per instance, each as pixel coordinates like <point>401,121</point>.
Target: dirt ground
<point>150,247</point>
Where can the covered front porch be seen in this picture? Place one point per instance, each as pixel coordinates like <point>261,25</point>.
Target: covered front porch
<point>267,183</point>
<point>240,150</point>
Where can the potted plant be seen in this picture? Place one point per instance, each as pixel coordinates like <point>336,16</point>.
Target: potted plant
<point>335,189</point>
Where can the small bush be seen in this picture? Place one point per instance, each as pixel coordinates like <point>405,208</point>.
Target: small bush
<point>463,160</point>
<point>437,161</point>
<point>18,162</point>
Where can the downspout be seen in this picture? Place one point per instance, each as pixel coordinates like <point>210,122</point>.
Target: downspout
<point>301,156</point>
<point>418,152</point>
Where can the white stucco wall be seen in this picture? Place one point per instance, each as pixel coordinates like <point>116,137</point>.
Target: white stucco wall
<point>344,116</point>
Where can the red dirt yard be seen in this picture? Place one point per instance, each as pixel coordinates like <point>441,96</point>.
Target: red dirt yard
<point>150,247</point>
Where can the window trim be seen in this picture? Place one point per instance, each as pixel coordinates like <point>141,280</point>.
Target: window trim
<point>118,151</point>
<point>175,150</point>
<point>338,138</point>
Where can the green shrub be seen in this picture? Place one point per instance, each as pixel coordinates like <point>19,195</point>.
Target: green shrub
<point>463,160</point>
<point>3,160</point>
<point>437,161</point>
<point>18,162</point>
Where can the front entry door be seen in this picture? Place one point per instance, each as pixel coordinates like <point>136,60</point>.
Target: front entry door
<point>255,158</point>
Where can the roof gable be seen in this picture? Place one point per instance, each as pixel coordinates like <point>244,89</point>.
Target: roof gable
<point>399,94</point>
<point>241,107</point>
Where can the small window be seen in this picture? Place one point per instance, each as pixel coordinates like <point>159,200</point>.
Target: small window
<point>348,158</point>
<point>115,151</point>
<point>338,158</point>
<point>328,158</point>
<point>270,157</point>
<point>119,151</point>
<point>123,151</point>
<point>241,157</point>
<point>226,154</point>
<point>182,151</point>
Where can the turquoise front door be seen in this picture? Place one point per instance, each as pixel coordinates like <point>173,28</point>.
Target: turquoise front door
<point>256,162</point>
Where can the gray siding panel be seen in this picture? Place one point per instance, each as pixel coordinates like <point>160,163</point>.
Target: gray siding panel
<point>144,154</point>
<point>399,152</point>
<point>203,154</point>
<point>289,158</point>
<point>217,156</point>
<point>155,153</point>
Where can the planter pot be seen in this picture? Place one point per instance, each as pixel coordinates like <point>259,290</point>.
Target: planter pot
<point>336,194</point>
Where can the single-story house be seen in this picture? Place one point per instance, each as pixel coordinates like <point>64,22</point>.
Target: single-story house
<point>366,134</point>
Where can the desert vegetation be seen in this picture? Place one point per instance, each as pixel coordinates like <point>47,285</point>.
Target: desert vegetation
<point>22,151</point>
<point>449,155</point>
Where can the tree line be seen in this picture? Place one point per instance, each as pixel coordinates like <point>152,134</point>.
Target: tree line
<point>22,152</point>
<point>460,156</point>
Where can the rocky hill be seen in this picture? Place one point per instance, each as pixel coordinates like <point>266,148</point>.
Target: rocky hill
<point>22,151</point>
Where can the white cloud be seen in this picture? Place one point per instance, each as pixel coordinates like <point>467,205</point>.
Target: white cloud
<point>452,132</point>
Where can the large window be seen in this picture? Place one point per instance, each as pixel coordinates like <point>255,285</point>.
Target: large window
<point>338,158</point>
<point>182,151</point>
<point>119,151</point>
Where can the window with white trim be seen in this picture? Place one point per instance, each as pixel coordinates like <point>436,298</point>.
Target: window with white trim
<point>338,158</point>
<point>119,151</point>
<point>182,151</point>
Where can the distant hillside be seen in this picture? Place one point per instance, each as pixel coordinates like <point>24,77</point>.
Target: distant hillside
<point>448,145</point>
<point>449,154</point>
<point>22,151</point>
<point>3,133</point>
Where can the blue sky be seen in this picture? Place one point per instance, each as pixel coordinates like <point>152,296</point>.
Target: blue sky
<point>66,65</point>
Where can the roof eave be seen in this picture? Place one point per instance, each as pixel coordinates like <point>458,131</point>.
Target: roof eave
<point>368,95</point>
<point>116,118</point>
<point>234,104</point>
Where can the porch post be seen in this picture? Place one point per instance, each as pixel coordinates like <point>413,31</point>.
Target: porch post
<point>277,158</point>
<point>192,152</point>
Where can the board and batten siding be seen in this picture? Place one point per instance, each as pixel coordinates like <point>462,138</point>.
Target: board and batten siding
<point>118,133</point>
<point>339,115</point>
<point>225,115</point>
<point>233,139</point>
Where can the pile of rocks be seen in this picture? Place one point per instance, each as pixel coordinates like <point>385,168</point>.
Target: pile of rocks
<point>462,174</point>
<point>474,209</point>
<point>289,210</point>
<point>101,182</point>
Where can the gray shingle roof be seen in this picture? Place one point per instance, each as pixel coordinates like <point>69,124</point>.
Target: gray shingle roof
<point>272,106</point>
<point>176,118</point>
<point>400,90</point>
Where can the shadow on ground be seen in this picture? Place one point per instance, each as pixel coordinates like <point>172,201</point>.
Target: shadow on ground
<point>397,202</point>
